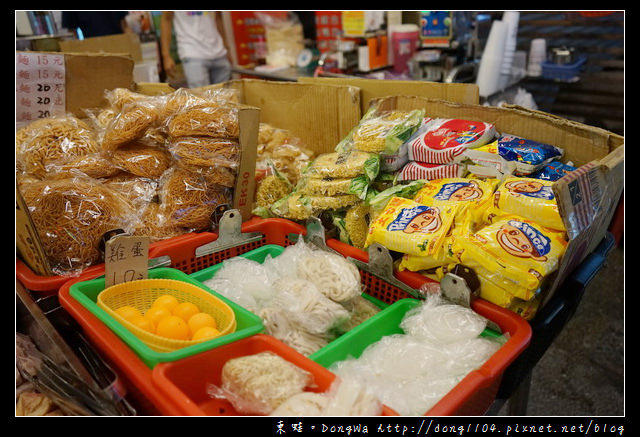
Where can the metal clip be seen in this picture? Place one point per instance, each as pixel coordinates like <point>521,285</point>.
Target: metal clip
<point>381,265</point>
<point>229,234</point>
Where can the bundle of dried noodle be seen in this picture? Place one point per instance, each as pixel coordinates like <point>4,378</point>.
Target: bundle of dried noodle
<point>284,149</point>
<point>119,97</point>
<point>53,140</point>
<point>190,199</point>
<point>262,381</point>
<point>71,216</point>
<point>142,159</point>
<point>129,124</point>
<point>95,165</point>
<point>155,225</point>
<point>213,119</point>
<point>206,151</point>
<point>179,100</point>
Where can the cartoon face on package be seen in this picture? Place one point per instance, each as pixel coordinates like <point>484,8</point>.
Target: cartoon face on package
<point>513,253</point>
<point>408,227</point>
<point>530,198</point>
<point>475,193</point>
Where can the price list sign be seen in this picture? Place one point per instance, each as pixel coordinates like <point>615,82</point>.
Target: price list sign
<point>40,86</point>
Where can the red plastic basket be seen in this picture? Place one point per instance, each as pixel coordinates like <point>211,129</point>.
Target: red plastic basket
<point>472,396</point>
<point>185,381</point>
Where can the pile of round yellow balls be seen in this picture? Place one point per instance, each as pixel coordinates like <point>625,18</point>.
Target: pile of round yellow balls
<point>169,318</point>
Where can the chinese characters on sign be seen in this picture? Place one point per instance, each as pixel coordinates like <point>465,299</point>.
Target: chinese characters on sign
<point>40,86</point>
<point>126,259</point>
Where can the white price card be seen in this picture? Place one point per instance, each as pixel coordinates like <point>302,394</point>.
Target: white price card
<point>40,86</point>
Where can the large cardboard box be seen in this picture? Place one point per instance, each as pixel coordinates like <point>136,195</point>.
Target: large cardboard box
<point>322,111</point>
<point>587,198</point>
<point>125,43</point>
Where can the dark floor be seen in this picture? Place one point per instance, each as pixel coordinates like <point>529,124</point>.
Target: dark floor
<point>582,373</point>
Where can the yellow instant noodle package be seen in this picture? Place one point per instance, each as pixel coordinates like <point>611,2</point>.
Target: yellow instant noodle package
<point>513,253</point>
<point>409,227</point>
<point>530,198</point>
<point>471,196</point>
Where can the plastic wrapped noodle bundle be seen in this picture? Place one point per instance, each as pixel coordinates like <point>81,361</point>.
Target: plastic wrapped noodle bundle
<point>245,282</point>
<point>95,165</point>
<point>298,206</point>
<point>344,398</point>
<point>409,227</point>
<point>190,198</point>
<point>411,371</point>
<point>140,159</point>
<point>307,306</point>
<point>71,216</point>
<point>514,253</point>
<point>443,141</point>
<point>139,191</point>
<point>269,189</point>
<point>347,165</point>
<point>336,277</point>
<point>278,324</point>
<point>530,198</point>
<point>53,140</point>
<point>438,321</point>
<point>360,310</point>
<point>260,383</point>
<point>129,124</point>
<point>384,130</point>
<point>212,119</point>
<point>205,151</point>
<point>282,148</point>
<point>353,224</point>
<point>117,98</point>
<point>155,225</point>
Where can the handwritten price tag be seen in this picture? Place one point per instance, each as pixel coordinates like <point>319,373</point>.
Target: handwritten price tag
<point>40,86</point>
<point>126,259</point>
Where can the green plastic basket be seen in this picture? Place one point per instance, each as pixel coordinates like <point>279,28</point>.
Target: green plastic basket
<point>386,322</point>
<point>86,293</point>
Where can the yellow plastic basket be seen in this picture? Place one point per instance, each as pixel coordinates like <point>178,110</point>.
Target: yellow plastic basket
<point>142,293</point>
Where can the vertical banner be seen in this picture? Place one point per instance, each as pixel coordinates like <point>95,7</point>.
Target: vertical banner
<point>40,86</point>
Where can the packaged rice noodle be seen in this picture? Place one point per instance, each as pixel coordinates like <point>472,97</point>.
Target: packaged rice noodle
<point>352,224</point>
<point>298,206</point>
<point>382,131</point>
<point>530,198</point>
<point>409,227</point>
<point>513,253</point>
<point>347,164</point>
<point>443,141</point>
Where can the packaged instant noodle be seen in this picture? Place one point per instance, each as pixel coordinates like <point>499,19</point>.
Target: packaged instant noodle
<point>553,171</point>
<point>472,196</point>
<point>442,141</point>
<point>530,198</point>
<point>513,253</point>
<point>409,227</point>
<point>419,170</point>
<point>515,155</point>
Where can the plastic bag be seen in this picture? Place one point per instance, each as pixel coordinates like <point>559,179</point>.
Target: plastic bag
<point>409,227</point>
<point>443,141</point>
<point>259,383</point>
<point>553,171</point>
<point>71,216</point>
<point>514,253</point>
<point>413,171</point>
<point>129,124</point>
<point>529,198</point>
<point>53,141</point>
<point>284,35</point>
<point>280,148</point>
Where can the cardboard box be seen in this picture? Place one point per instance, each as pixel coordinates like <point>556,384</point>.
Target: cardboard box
<point>322,111</point>
<point>587,198</point>
<point>125,43</point>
